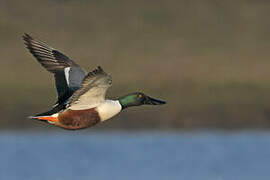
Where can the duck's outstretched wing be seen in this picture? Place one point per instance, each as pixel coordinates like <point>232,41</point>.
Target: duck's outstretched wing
<point>92,92</point>
<point>68,75</point>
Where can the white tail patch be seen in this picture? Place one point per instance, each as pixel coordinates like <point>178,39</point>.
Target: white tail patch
<point>50,119</point>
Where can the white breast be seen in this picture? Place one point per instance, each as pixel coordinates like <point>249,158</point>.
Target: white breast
<point>108,109</point>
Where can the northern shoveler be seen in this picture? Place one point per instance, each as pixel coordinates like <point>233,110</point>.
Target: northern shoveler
<point>81,97</point>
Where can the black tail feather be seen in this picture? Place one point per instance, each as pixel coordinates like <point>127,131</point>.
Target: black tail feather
<point>56,109</point>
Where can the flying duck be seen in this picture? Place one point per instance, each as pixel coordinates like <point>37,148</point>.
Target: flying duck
<point>81,99</point>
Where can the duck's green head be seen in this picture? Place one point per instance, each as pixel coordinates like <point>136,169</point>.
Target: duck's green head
<point>137,99</point>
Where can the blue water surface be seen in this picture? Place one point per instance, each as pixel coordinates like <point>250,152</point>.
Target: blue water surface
<point>74,155</point>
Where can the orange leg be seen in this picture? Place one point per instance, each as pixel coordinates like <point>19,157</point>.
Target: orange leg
<point>48,118</point>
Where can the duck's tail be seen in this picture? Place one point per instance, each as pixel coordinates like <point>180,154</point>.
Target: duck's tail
<point>49,116</point>
<point>50,119</point>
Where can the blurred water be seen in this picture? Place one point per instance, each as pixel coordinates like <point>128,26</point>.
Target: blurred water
<point>131,156</point>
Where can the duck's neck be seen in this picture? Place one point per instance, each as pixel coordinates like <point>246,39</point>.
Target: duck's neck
<point>127,101</point>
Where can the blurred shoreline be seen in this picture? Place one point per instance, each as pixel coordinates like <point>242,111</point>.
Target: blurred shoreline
<point>208,59</point>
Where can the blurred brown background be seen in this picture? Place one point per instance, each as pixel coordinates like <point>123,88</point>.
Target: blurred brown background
<point>209,59</point>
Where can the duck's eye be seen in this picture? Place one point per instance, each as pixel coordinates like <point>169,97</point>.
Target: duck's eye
<point>139,96</point>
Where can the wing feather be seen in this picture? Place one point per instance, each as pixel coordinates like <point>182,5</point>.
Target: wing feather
<point>56,62</point>
<point>48,57</point>
<point>92,92</point>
